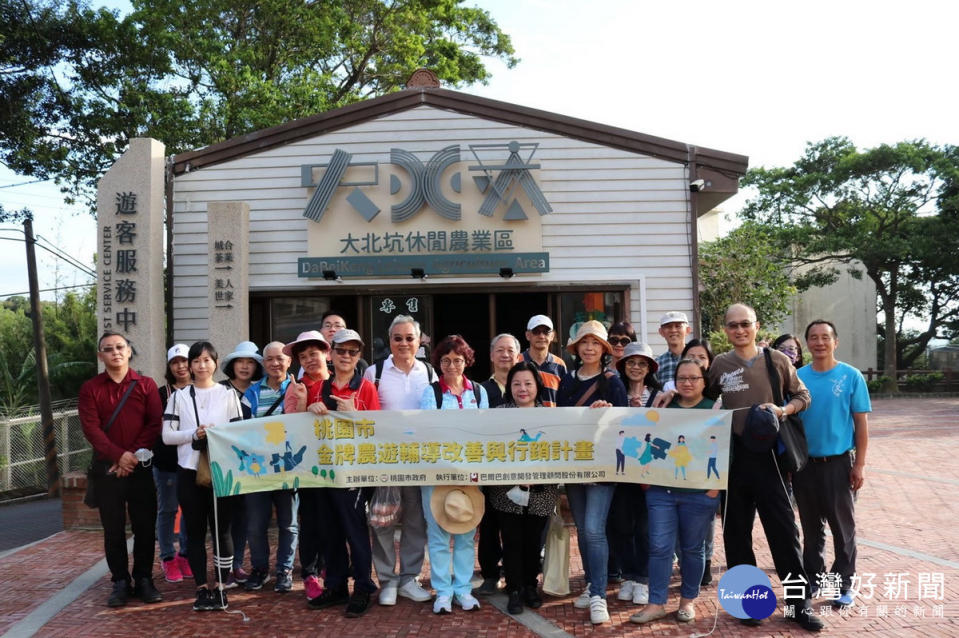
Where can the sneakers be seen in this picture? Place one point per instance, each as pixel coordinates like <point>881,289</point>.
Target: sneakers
<point>489,587</point>
<point>845,600</point>
<point>312,587</point>
<point>583,601</point>
<point>209,600</point>
<point>415,592</point>
<point>641,594</point>
<point>204,602</point>
<point>388,595</point>
<point>358,604</point>
<point>468,602</point>
<point>515,603</point>
<point>120,594</point>
<point>531,597</point>
<point>236,577</point>
<point>806,618</point>
<point>184,565</point>
<point>329,598</point>
<point>146,591</point>
<point>256,580</point>
<point>171,570</point>
<point>626,590</point>
<point>598,613</point>
<point>443,605</point>
<point>284,582</point>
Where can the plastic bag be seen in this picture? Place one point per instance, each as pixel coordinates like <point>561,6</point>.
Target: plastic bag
<point>384,507</point>
<point>556,560</point>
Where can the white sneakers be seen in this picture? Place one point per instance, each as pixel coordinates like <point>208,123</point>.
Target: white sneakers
<point>583,601</point>
<point>598,613</point>
<point>640,594</point>
<point>388,595</point>
<point>626,590</point>
<point>414,591</point>
<point>468,602</point>
<point>443,605</point>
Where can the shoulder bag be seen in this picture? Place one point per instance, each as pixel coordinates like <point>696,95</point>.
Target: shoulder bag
<point>97,468</point>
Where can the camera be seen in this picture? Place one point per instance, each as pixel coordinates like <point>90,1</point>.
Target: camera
<point>697,185</point>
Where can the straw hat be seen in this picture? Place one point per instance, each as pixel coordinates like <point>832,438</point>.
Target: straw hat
<point>593,328</point>
<point>457,508</point>
<point>637,350</point>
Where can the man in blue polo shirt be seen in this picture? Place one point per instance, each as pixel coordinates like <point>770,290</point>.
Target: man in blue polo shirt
<point>837,430</point>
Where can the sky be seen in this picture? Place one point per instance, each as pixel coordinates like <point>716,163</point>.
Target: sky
<point>756,78</point>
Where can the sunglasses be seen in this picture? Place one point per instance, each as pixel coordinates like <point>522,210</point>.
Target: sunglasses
<point>402,338</point>
<point>346,352</point>
<point>541,330</point>
<point>732,325</point>
<point>619,341</point>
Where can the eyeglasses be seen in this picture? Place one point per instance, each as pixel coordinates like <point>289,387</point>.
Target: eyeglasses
<point>636,362</point>
<point>732,325</point>
<point>108,350</point>
<point>541,330</point>
<point>339,326</point>
<point>402,338</point>
<point>789,349</point>
<point>346,352</point>
<point>687,379</point>
<point>452,362</point>
<point>619,341</point>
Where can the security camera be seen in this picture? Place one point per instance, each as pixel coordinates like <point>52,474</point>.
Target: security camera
<point>697,185</point>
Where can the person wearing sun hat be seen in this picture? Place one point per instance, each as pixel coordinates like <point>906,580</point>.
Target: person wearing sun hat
<point>310,350</point>
<point>591,385</point>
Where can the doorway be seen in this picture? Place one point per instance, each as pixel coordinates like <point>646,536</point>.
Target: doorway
<point>468,316</point>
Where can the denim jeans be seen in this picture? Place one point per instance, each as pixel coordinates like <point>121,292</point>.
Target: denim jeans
<point>673,514</point>
<point>167,505</point>
<point>590,504</point>
<point>259,507</point>
<point>445,582</point>
<point>627,531</point>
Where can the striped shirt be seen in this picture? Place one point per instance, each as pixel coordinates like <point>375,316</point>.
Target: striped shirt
<point>551,372</point>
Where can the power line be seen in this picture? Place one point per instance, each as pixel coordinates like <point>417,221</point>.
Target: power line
<point>36,181</point>
<point>16,294</point>
<point>55,251</point>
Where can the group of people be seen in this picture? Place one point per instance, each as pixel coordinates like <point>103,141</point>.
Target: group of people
<point>148,443</point>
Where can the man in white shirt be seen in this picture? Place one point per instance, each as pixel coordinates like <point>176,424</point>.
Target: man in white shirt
<point>400,380</point>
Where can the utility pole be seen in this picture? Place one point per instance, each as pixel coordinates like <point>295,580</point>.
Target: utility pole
<point>43,378</point>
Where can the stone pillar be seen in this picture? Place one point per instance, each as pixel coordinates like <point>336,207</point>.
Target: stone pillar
<point>228,237</point>
<point>130,253</point>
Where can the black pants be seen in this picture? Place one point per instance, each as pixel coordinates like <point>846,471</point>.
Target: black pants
<point>490,551</point>
<point>198,513</point>
<point>312,537</point>
<point>343,513</point>
<point>134,494</point>
<point>628,531</point>
<point>522,541</point>
<point>756,485</point>
<point>823,495</point>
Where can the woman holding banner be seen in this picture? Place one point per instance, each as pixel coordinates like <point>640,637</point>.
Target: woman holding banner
<point>452,511</point>
<point>678,512</point>
<point>594,386</point>
<point>522,510</point>
<point>310,350</point>
<point>189,413</point>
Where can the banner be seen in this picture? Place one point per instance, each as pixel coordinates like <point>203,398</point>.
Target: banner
<point>669,447</point>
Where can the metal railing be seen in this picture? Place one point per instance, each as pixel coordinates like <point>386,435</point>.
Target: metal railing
<point>22,461</point>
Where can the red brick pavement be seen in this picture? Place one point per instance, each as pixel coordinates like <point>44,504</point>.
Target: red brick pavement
<point>908,502</point>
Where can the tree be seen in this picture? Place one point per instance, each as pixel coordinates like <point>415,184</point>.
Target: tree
<point>743,267</point>
<point>77,83</point>
<point>891,208</point>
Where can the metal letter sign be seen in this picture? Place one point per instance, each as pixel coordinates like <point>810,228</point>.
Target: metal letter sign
<point>499,182</point>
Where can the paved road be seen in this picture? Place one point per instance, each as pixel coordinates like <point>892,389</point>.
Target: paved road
<point>25,523</point>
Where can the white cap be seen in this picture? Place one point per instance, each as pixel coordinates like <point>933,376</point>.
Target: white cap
<point>539,320</point>
<point>345,335</point>
<point>673,317</point>
<point>178,350</point>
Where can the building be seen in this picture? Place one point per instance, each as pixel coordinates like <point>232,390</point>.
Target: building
<point>468,213</point>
